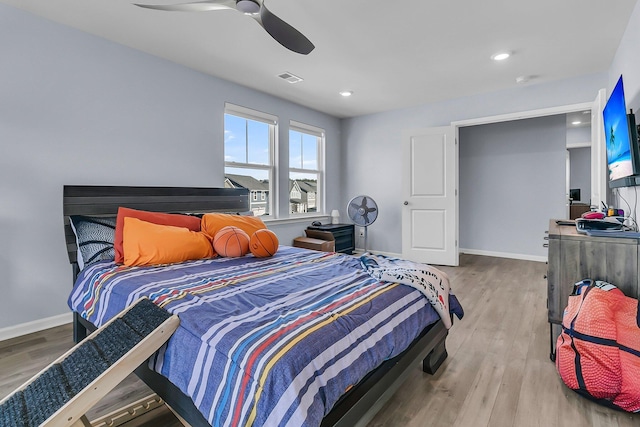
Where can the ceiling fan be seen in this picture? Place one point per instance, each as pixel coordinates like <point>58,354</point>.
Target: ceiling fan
<point>282,32</point>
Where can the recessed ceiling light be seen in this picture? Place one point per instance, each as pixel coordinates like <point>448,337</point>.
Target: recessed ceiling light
<point>500,56</point>
<point>576,122</point>
<point>346,93</point>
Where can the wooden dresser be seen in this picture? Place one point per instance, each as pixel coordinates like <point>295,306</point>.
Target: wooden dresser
<point>574,257</point>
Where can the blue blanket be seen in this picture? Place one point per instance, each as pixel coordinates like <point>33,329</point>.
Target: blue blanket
<point>265,341</point>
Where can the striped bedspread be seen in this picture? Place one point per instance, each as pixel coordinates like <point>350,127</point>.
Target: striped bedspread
<point>265,342</point>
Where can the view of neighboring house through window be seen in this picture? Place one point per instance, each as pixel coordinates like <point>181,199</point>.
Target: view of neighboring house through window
<point>249,138</point>
<point>306,148</point>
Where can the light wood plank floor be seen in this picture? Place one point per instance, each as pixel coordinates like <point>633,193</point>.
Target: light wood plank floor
<point>498,372</point>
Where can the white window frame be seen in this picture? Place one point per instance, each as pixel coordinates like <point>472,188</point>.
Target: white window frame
<point>320,192</point>
<point>272,121</point>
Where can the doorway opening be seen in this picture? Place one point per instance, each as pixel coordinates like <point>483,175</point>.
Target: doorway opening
<point>578,190</point>
<point>513,235</point>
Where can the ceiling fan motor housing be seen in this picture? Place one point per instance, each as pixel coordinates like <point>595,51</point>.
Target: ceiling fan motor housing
<point>250,7</point>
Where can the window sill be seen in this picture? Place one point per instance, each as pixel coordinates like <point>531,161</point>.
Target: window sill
<point>296,219</point>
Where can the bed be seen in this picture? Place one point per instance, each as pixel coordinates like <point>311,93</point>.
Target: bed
<point>254,380</point>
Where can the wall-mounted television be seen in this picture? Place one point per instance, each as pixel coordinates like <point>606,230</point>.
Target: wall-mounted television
<point>621,139</point>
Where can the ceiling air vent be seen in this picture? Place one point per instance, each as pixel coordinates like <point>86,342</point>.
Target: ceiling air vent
<point>290,77</point>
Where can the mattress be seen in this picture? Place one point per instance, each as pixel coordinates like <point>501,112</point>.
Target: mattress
<point>265,341</point>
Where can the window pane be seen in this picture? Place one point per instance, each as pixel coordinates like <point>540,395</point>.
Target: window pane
<point>258,138</point>
<point>295,149</point>
<point>303,192</point>
<point>256,181</point>
<point>309,152</point>
<point>303,150</point>
<point>235,139</point>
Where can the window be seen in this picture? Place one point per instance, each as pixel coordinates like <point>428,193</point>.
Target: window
<point>249,141</point>
<point>306,149</point>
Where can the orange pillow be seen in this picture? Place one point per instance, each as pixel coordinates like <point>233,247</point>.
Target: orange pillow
<point>214,222</point>
<point>146,243</point>
<point>176,220</point>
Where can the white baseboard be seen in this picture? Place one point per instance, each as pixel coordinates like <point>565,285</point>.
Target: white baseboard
<point>523,257</point>
<point>35,326</point>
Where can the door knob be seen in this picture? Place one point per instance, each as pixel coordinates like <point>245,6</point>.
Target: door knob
<point>406,203</point>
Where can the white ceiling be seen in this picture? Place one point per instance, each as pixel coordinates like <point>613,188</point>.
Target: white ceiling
<point>391,54</point>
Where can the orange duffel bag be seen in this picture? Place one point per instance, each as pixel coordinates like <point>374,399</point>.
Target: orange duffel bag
<point>598,351</point>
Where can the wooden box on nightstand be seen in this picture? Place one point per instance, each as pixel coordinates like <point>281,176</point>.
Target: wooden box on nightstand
<point>316,240</point>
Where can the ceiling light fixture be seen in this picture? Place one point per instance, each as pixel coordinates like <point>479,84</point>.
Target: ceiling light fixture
<point>248,7</point>
<point>346,93</point>
<point>576,122</point>
<point>500,56</point>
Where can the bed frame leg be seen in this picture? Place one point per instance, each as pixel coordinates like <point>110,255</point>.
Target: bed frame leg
<point>79,331</point>
<point>435,358</point>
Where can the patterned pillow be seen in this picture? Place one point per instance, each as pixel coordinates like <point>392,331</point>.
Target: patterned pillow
<point>94,236</point>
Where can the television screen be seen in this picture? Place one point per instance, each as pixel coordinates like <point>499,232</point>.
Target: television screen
<point>620,152</point>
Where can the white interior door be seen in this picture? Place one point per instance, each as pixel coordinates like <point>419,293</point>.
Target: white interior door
<point>430,186</point>
<point>599,173</point>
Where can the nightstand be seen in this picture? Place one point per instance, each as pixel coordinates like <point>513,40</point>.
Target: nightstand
<point>344,235</point>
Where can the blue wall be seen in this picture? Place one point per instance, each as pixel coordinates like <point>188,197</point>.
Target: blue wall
<point>627,63</point>
<point>77,109</point>
<point>512,181</point>
<point>372,145</point>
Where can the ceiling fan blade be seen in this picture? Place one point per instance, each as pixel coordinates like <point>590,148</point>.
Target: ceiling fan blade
<point>283,33</point>
<point>200,6</point>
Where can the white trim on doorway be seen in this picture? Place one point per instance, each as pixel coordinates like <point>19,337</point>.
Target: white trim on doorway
<point>552,111</point>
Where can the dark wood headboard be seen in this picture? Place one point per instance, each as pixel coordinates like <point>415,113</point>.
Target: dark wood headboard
<point>92,200</point>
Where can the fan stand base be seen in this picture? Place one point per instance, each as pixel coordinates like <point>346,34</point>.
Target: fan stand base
<point>365,239</point>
